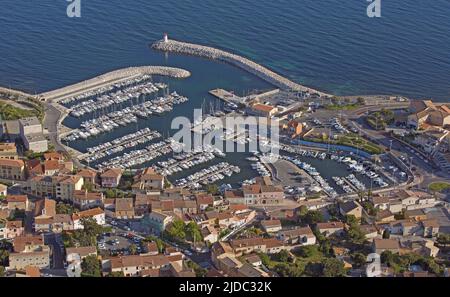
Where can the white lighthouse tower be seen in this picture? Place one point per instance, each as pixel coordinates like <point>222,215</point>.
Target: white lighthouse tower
<point>166,37</point>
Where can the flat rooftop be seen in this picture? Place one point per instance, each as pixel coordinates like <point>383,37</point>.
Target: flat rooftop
<point>31,121</point>
<point>35,137</point>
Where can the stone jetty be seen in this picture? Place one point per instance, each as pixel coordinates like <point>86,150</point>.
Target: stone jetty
<point>174,46</point>
<point>113,77</point>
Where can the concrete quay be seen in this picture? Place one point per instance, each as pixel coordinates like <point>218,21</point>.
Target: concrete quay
<point>111,78</point>
<point>236,60</point>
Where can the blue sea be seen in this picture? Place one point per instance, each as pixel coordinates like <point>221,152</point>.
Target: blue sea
<point>326,44</point>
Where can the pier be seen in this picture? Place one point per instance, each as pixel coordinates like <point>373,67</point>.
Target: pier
<point>226,96</point>
<point>262,72</point>
<point>111,78</point>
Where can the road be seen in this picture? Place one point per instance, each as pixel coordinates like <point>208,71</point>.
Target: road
<point>55,243</point>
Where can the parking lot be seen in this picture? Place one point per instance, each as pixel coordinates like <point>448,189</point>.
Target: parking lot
<point>118,243</point>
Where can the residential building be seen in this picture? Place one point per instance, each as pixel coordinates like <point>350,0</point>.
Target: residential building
<point>8,151</point>
<point>13,229</point>
<point>66,187</point>
<point>384,216</point>
<point>416,214</point>
<point>136,265</point>
<point>12,169</point>
<point>426,113</point>
<point>124,208</point>
<point>29,251</point>
<point>111,177</point>
<point>370,231</point>
<point>262,110</point>
<point>83,199</point>
<point>17,202</point>
<point>235,196</point>
<point>79,253</point>
<point>148,181</point>
<point>258,244</point>
<point>259,194</point>
<point>380,202</point>
<point>381,245</point>
<point>96,213</point>
<point>351,208</point>
<point>3,190</point>
<point>271,226</point>
<point>210,234</point>
<point>89,176</point>
<point>157,221</point>
<point>204,201</point>
<point>45,208</point>
<point>297,236</point>
<point>331,228</point>
<point>430,227</point>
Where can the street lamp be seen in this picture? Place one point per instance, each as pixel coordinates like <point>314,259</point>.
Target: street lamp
<point>390,145</point>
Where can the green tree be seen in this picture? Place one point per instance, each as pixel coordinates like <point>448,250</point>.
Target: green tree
<point>199,271</point>
<point>91,227</point>
<point>159,243</point>
<point>133,249</point>
<point>308,251</point>
<point>90,267</point>
<point>313,217</point>
<point>443,239</point>
<point>313,269</point>
<point>4,256</point>
<point>212,189</point>
<point>355,234</point>
<point>283,256</point>
<point>333,267</point>
<point>359,259</point>
<point>177,230</point>
<point>62,208</point>
<point>386,234</point>
<point>351,220</point>
<point>88,187</point>
<point>2,271</point>
<point>302,211</point>
<point>193,231</point>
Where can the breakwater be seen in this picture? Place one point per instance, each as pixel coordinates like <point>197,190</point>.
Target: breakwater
<point>236,60</point>
<point>113,77</point>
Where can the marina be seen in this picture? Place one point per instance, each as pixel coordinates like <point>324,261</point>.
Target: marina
<point>137,157</point>
<point>208,175</point>
<point>126,116</point>
<point>188,160</point>
<point>120,144</point>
